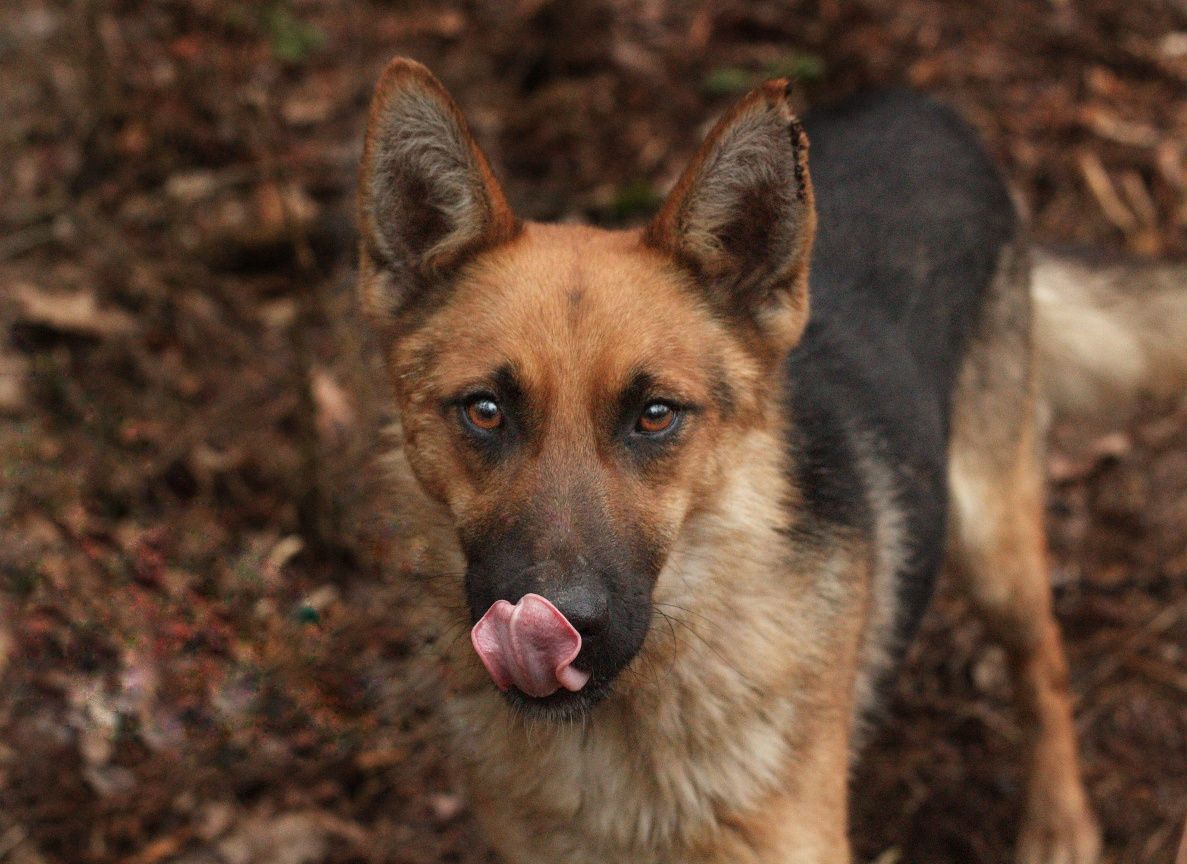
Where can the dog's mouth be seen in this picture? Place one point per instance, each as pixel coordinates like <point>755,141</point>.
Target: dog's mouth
<point>531,646</point>
<point>560,707</point>
<point>531,652</point>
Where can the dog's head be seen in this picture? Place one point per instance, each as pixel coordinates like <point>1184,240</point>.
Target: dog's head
<point>573,396</point>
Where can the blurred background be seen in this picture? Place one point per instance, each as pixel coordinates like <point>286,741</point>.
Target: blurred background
<point>203,658</point>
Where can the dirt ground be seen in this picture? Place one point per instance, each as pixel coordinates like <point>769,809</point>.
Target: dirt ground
<point>202,657</point>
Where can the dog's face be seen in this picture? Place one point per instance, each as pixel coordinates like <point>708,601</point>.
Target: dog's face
<point>571,395</point>
<point>567,405</point>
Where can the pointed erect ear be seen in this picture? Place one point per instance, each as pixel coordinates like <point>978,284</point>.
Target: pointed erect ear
<point>428,201</point>
<point>741,217</point>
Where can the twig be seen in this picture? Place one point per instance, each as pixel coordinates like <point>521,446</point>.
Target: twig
<point>1139,197</point>
<point>1144,635</point>
<point>1158,672</point>
<point>1101,187</point>
<point>1113,128</point>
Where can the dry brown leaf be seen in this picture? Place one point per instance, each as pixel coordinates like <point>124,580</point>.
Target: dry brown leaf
<point>445,807</point>
<point>290,838</point>
<point>335,407</point>
<point>285,550</point>
<point>75,312</point>
<point>307,110</point>
<point>191,186</point>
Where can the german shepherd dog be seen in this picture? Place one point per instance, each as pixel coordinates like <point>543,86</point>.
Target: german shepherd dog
<point>689,486</point>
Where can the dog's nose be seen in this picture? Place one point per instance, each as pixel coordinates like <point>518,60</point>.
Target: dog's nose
<point>586,606</point>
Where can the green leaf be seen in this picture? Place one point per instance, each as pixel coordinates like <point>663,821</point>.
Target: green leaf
<point>634,200</point>
<point>728,81</point>
<point>292,39</point>
<point>798,67</point>
<point>734,80</point>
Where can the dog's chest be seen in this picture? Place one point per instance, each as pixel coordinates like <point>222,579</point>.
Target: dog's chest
<point>614,789</point>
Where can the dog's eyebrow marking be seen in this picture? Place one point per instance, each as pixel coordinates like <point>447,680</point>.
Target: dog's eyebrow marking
<point>507,383</point>
<point>641,385</point>
<point>515,398</point>
<point>645,385</point>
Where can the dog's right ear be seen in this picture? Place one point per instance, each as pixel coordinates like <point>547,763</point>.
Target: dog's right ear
<point>741,218</point>
<point>428,201</point>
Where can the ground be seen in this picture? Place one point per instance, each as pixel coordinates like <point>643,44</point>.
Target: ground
<point>202,656</point>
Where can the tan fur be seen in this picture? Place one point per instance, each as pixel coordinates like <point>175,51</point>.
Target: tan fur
<point>998,550</point>
<point>879,644</point>
<point>1107,334</point>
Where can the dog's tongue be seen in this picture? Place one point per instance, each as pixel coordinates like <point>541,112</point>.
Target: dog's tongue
<point>531,645</point>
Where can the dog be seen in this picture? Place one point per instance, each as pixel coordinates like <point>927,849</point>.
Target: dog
<point>689,486</point>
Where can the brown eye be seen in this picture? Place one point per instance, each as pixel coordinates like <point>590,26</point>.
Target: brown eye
<point>483,413</point>
<point>657,417</point>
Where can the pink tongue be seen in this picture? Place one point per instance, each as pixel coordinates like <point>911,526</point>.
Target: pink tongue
<point>531,645</point>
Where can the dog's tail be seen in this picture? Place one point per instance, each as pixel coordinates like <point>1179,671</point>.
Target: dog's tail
<point>1108,334</point>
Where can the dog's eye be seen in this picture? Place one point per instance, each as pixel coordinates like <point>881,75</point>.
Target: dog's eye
<point>657,418</point>
<point>483,413</point>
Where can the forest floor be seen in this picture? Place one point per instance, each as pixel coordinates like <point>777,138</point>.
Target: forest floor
<point>202,656</point>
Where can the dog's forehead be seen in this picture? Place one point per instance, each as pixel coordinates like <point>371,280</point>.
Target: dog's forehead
<point>574,270</point>
<point>568,300</point>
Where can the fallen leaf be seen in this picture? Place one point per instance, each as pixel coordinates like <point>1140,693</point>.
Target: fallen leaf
<point>445,807</point>
<point>75,312</point>
<point>191,186</point>
<point>322,598</point>
<point>306,110</point>
<point>335,409</point>
<point>214,820</point>
<point>282,553</point>
<point>274,207</point>
<point>290,838</point>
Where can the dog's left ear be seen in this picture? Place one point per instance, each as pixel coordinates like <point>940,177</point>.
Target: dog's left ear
<point>741,217</point>
<point>428,201</point>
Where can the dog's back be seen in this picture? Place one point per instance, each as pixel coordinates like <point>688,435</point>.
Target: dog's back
<point>913,222</point>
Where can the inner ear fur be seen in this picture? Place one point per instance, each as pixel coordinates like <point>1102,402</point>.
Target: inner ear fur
<point>741,217</point>
<point>427,198</point>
